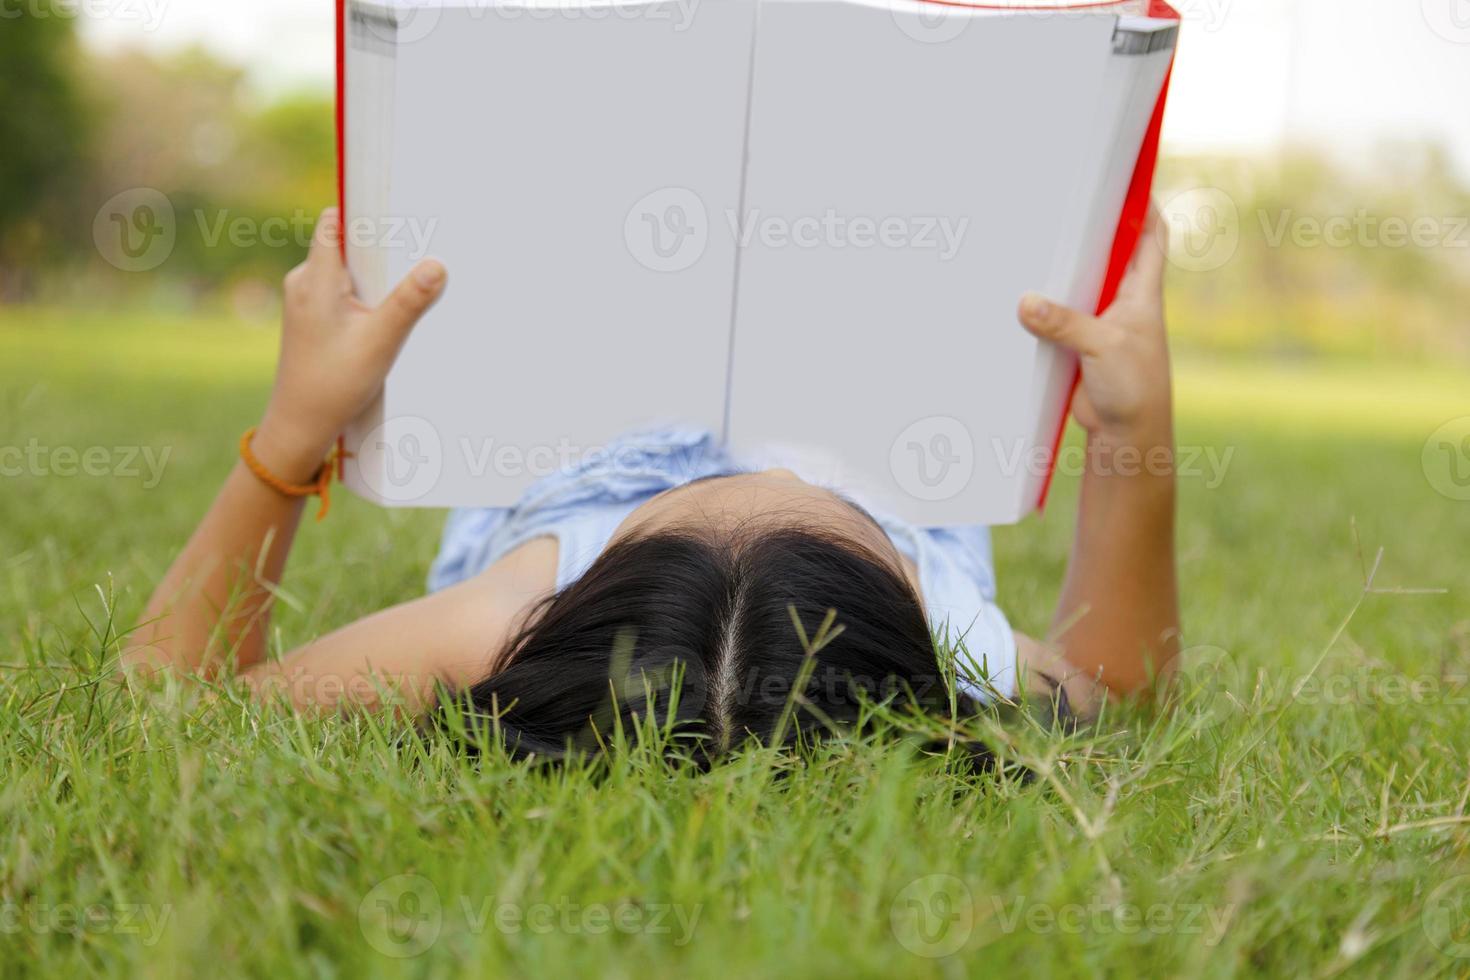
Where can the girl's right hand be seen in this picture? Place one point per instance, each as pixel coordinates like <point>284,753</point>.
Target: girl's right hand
<point>335,351</point>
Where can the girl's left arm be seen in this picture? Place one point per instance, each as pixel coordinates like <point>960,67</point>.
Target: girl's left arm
<point>213,604</point>
<point>1116,630</point>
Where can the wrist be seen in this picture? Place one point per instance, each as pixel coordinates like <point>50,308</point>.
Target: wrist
<point>1144,434</point>
<point>289,454</point>
<point>1147,424</point>
<point>1133,450</point>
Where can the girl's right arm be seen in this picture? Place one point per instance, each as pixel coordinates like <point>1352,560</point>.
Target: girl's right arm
<point>1116,629</point>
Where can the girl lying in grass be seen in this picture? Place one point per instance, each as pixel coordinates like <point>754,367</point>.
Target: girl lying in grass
<point>671,560</point>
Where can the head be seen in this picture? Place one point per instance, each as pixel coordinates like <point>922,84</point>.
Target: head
<point>705,608</point>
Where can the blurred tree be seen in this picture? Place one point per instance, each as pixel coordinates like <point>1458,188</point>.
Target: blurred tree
<point>43,136</point>
<point>245,180</point>
<point>1359,257</point>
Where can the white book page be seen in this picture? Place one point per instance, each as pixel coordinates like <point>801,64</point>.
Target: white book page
<point>905,186</point>
<point>368,132</point>
<point>567,164</point>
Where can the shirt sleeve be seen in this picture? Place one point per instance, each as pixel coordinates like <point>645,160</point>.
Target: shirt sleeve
<point>957,576</point>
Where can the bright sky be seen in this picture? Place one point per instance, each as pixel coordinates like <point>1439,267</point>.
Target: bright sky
<point>1341,74</point>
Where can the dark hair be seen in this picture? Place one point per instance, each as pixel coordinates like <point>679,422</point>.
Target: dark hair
<point>710,631</point>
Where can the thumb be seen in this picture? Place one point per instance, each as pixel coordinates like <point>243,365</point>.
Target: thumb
<point>1060,324</point>
<point>1144,278</point>
<point>413,295</point>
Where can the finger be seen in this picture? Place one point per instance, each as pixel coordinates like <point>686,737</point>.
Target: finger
<point>1060,324</point>
<point>326,241</point>
<point>1145,273</point>
<point>410,298</point>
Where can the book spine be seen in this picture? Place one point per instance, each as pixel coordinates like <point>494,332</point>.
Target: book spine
<point>341,115</point>
<point>1130,229</point>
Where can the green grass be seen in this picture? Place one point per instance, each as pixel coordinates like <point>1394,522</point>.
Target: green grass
<point>1295,823</point>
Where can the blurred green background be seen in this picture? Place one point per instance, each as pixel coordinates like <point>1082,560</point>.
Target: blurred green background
<point>80,126</point>
<point>1282,254</point>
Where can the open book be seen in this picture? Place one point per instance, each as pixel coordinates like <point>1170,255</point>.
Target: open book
<point>802,224</point>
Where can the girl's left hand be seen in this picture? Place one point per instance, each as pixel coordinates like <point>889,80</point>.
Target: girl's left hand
<point>1124,353</point>
<point>335,351</point>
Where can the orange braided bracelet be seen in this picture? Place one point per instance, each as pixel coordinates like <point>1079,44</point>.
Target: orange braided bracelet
<point>320,485</point>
